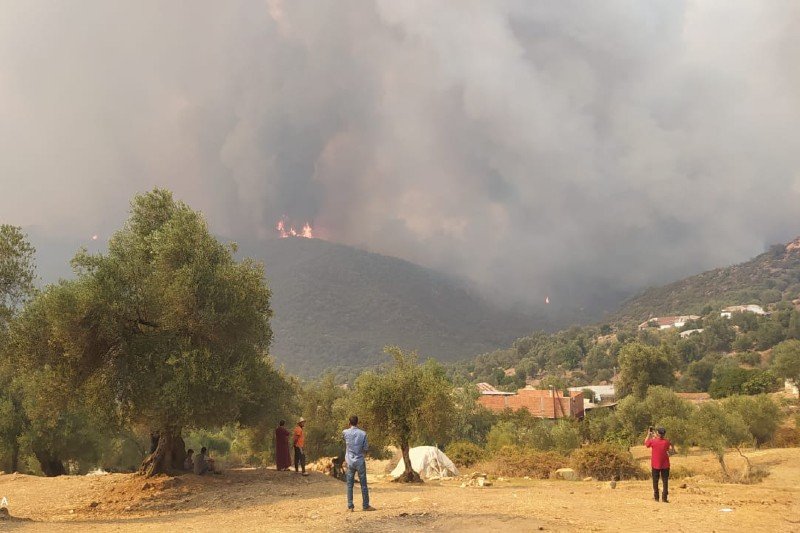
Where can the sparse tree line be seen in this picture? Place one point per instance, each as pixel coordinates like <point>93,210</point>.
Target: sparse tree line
<point>167,336</point>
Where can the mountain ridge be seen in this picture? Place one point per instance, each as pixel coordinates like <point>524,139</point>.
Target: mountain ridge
<point>336,306</point>
<point>765,279</point>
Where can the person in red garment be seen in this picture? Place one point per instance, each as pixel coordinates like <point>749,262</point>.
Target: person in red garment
<point>282,459</point>
<point>661,449</point>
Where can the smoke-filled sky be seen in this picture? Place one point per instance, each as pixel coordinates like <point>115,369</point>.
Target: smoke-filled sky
<point>555,148</point>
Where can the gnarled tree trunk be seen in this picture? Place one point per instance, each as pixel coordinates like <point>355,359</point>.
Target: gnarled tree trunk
<point>169,455</point>
<point>51,466</point>
<point>725,474</point>
<point>409,476</point>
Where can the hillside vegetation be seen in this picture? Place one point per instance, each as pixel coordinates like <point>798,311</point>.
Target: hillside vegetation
<point>336,307</point>
<point>724,357</point>
<point>768,278</point>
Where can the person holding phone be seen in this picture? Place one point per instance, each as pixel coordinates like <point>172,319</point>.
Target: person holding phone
<point>661,448</point>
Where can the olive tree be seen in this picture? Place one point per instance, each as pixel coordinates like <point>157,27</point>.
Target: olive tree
<point>167,328</point>
<point>17,274</point>
<point>407,403</point>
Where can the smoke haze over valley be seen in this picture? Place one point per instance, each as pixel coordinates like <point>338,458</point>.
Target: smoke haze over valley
<point>570,150</point>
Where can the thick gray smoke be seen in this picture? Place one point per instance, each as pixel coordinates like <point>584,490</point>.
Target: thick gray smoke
<point>569,149</point>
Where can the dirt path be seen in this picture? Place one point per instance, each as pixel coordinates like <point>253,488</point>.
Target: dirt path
<point>261,500</point>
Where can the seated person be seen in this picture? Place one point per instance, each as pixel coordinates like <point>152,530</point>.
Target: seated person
<point>203,463</point>
<point>188,464</point>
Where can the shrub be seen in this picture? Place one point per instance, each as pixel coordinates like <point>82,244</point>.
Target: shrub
<point>504,433</point>
<point>514,461</point>
<point>786,437</point>
<point>605,461</point>
<point>464,453</point>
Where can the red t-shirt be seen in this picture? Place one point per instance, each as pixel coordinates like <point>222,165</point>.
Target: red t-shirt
<point>660,455</point>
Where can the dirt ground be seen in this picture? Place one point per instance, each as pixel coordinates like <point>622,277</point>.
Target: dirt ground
<point>266,500</point>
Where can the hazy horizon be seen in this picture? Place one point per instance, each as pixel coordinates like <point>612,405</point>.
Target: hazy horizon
<point>553,149</point>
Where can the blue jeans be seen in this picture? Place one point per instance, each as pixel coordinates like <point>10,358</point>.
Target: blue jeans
<point>361,468</point>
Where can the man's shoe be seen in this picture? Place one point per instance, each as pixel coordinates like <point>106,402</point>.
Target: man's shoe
<point>370,508</point>
<point>305,473</point>
<point>350,509</point>
<point>665,499</point>
<point>655,497</point>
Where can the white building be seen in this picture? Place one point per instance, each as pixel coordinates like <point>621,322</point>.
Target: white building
<point>602,393</point>
<point>667,322</point>
<point>749,308</point>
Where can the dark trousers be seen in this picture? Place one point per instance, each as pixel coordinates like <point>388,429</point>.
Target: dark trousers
<point>663,473</point>
<point>299,459</point>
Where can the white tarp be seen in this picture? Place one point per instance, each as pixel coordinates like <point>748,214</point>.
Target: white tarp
<point>429,462</point>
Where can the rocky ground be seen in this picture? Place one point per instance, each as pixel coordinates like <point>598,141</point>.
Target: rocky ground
<point>263,499</point>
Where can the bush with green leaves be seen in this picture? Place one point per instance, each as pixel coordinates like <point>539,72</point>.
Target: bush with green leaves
<point>761,415</point>
<point>464,453</point>
<point>716,429</point>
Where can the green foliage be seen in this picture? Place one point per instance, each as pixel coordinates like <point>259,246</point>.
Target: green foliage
<point>471,421</point>
<point>165,331</point>
<point>659,405</point>
<point>180,329</point>
<point>408,402</point>
<point>337,306</point>
<point>604,425</point>
<point>16,271</point>
<point>716,429</point>
<point>464,453</point>
<point>566,436</point>
<point>605,461</point>
<point>698,375</point>
<point>323,405</point>
<point>730,379</point>
<point>760,414</point>
<point>786,360</point>
<point>679,431</point>
<point>712,290</point>
<point>641,366</point>
<point>502,434</point>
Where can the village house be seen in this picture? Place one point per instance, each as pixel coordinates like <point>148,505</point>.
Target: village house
<point>550,404</point>
<point>602,393</point>
<point>666,322</point>
<point>749,308</point>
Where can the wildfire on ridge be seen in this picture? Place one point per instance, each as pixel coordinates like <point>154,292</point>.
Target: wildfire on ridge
<point>288,230</point>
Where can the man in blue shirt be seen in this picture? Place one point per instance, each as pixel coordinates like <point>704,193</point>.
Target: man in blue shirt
<point>356,442</point>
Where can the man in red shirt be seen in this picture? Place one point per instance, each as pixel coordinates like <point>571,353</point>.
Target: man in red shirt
<point>659,460</point>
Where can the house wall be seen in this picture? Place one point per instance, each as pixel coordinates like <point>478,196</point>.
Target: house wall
<point>541,403</point>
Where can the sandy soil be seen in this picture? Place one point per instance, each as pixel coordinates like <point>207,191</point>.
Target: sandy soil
<point>266,500</point>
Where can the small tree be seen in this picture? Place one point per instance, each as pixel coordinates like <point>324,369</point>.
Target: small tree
<point>641,366</point>
<point>409,402</point>
<point>786,360</point>
<point>717,429</point>
<point>760,414</point>
<point>319,402</point>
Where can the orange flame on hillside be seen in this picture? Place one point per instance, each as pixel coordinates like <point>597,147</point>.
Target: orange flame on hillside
<point>287,230</point>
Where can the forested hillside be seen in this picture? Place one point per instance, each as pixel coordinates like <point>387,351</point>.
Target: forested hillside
<point>720,355</point>
<point>768,278</point>
<point>336,307</point>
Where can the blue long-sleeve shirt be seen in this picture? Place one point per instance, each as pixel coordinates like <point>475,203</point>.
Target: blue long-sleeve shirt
<point>356,442</point>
